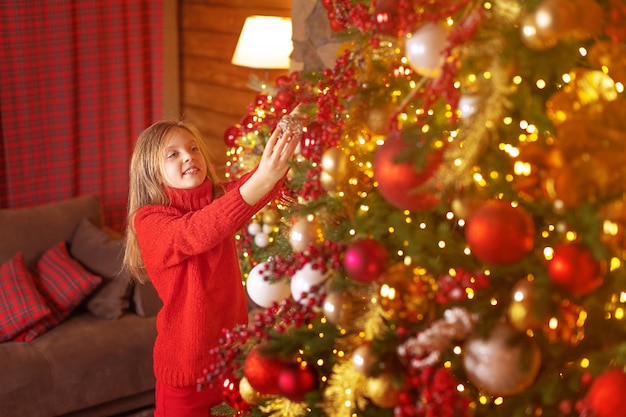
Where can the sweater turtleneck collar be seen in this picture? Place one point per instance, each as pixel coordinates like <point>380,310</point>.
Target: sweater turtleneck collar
<point>191,199</point>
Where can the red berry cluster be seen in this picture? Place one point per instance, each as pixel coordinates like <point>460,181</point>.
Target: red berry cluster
<point>388,17</point>
<point>325,257</point>
<point>452,289</point>
<point>432,393</point>
<point>228,357</point>
<point>615,28</point>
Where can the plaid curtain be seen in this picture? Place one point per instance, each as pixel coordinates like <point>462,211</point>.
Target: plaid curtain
<point>80,80</point>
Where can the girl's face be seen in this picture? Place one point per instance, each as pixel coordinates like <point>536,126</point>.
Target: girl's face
<point>183,165</point>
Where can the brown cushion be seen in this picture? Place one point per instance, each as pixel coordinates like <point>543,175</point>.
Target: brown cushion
<point>32,231</point>
<point>146,300</point>
<point>101,251</point>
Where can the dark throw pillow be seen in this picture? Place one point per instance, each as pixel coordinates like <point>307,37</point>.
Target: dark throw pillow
<point>101,252</point>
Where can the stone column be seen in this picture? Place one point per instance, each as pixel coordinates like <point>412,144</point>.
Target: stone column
<point>315,44</point>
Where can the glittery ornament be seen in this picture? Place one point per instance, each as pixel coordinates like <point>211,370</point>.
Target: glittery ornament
<point>383,391</point>
<point>291,124</point>
<point>404,295</point>
<point>504,363</point>
<point>568,326</point>
<point>500,234</point>
<point>425,349</point>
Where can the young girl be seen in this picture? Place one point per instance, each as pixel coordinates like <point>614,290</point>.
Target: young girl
<point>180,230</point>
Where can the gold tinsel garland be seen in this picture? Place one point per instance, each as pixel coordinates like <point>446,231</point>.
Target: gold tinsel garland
<point>344,391</point>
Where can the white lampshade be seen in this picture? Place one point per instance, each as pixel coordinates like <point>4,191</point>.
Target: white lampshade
<point>264,42</point>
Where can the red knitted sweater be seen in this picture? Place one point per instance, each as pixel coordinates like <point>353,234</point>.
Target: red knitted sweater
<point>190,256</point>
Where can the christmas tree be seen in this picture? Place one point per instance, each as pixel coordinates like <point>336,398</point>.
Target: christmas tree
<point>450,239</point>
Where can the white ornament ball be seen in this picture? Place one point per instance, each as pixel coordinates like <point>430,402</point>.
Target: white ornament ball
<point>262,291</point>
<point>423,48</point>
<point>267,229</point>
<point>304,280</point>
<point>468,105</point>
<point>254,228</point>
<point>261,240</point>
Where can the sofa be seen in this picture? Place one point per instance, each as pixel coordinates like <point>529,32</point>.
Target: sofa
<point>76,335</point>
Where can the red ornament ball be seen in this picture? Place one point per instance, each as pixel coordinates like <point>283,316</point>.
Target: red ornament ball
<point>500,234</point>
<point>574,269</point>
<point>365,260</point>
<point>262,372</point>
<point>231,395</point>
<point>386,17</point>
<point>607,394</point>
<point>397,181</point>
<point>232,134</point>
<point>296,380</point>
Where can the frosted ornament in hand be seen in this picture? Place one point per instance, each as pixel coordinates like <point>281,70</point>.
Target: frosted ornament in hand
<point>261,290</point>
<point>304,280</point>
<point>424,47</point>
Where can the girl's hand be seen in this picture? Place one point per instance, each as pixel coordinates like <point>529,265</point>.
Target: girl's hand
<point>273,166</point>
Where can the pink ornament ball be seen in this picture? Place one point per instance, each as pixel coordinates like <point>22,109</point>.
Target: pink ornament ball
<point>365,260</point>
<point>295,381</point>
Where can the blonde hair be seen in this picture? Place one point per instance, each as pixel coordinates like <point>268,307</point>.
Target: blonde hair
<point>146,183</point>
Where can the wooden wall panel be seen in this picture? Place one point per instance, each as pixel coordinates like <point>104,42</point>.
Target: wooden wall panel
<point>215,93</point>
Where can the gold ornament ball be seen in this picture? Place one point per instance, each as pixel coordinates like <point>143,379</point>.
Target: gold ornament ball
<point>590,20</point>
<point>304,233</point>
<point>335,163</point>
<point>555,19</point>
<point>404,295</point>
<point>329,183</point>
<point>378,118</point>
<point>363,359</point>
<point>382,390</point>
<point>343,308</point>
<point>521,310</point>
<point>504,363</point>
<point>249,394</point>
<point>270,217</point>
<point>530,36</point>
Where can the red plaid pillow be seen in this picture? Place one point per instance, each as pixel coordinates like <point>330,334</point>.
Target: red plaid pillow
<point>21,305</point>
<point>64,283</point>
<point>62,280</point>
